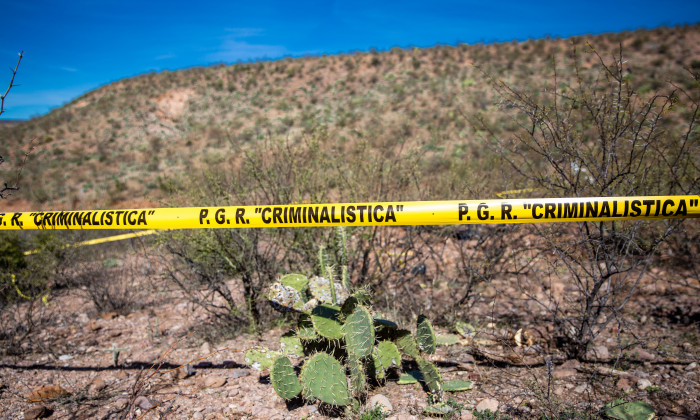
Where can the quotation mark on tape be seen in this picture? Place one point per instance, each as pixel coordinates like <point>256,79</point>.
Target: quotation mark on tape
<point>694,202</point>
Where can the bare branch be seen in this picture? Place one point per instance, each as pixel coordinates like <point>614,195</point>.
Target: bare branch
<point>11,85</point>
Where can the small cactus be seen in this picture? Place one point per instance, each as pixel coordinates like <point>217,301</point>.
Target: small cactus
<point>340,336</point>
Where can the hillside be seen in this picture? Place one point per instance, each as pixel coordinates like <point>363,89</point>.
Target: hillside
<point>540,321</point>
<point>140,141</point>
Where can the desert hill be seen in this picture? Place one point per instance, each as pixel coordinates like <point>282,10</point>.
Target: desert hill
<point>140,140</point>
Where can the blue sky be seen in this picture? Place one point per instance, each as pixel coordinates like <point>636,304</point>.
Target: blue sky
<point>73,46</point>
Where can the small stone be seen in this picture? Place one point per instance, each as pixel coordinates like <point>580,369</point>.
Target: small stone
<point>581,388</point>
<point>97,385</point>
<point>214,381</point>
<point>571,364</point>
<point>402,417</point>
<point>382,400</point>
<point>37,412</point>
<point>560,373</point>
<point>121,403</point>
<point>109,315</point>
<point>239,373</point>
<point>143,403</point>
<point>205,349</point>
<point>644,355</point>
<point>623,384</point>
<point>643,384</point>
<point>93,325</point>
<point>198,416</point>
<point>466,415</point>
<point>599,353</point>
<point>46,393</point>
<point>487,404</point>
<point>65,357</point>
<point>690,367</point>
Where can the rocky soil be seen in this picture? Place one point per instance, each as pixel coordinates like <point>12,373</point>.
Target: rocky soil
<point>169,366</point>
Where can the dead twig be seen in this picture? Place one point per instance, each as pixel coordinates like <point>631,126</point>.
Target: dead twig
<point>12,83</point>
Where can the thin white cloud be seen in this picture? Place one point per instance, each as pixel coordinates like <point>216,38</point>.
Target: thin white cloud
<point>165,56</point>
<point>69,69</point>
<point>233,50</point>
<point>244,32</point>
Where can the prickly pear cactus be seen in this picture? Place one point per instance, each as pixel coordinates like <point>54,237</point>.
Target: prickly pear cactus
<point>291,345</point>
<point>284,378</point>
<point>323,377</point>
<point>298,282</point>
<point>285,298</point>
<point>336,325</point>
<point>633,410</point>
<point>325,320</point>
<point>320,289</point>
<point>425,335</point>
<point>457,386</point>
<point>261,358</point>
<point>405,342</point>
<point>431,376</point>
<point>358,378</point>
<point>358,332</point>
<point>388,354</point>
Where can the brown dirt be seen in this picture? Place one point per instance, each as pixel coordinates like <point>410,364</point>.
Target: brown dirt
<point>68,351</point>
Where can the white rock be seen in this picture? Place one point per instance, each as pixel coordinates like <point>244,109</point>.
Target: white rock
<point>382,400</point>
<point>488,403</point>
<point>643,384</point>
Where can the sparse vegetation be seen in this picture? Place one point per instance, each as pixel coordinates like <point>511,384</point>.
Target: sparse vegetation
<point>554,321</point>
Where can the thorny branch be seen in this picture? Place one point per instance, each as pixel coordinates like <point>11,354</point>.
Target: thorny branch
<point>6,190</point>
<point>11,85</point>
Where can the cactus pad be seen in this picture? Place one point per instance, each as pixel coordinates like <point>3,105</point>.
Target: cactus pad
<point>440,409</point>
<point>457,386</point>
<point>284,378</point>
<point>388,354</point>
<point>325,321</point>
<point>298,282</point>
<point>305,329</point>
<point>375,366</point>
<point>358,379</point>
<point>405,343</point>
<point>447,339</point>
<point>323,377</point>
<point>425,335</point>
<point>359,333</point>
<point>411,377</point>
<point>260,358</point>
<point>291,345</point>
<point>319,287</point>
<point>284,298</point>
<point>431,376</point>
<point>633,410</point>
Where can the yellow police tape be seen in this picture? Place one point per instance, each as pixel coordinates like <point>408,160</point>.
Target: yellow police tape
<point>101,240</point>
<point>366,214</point>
